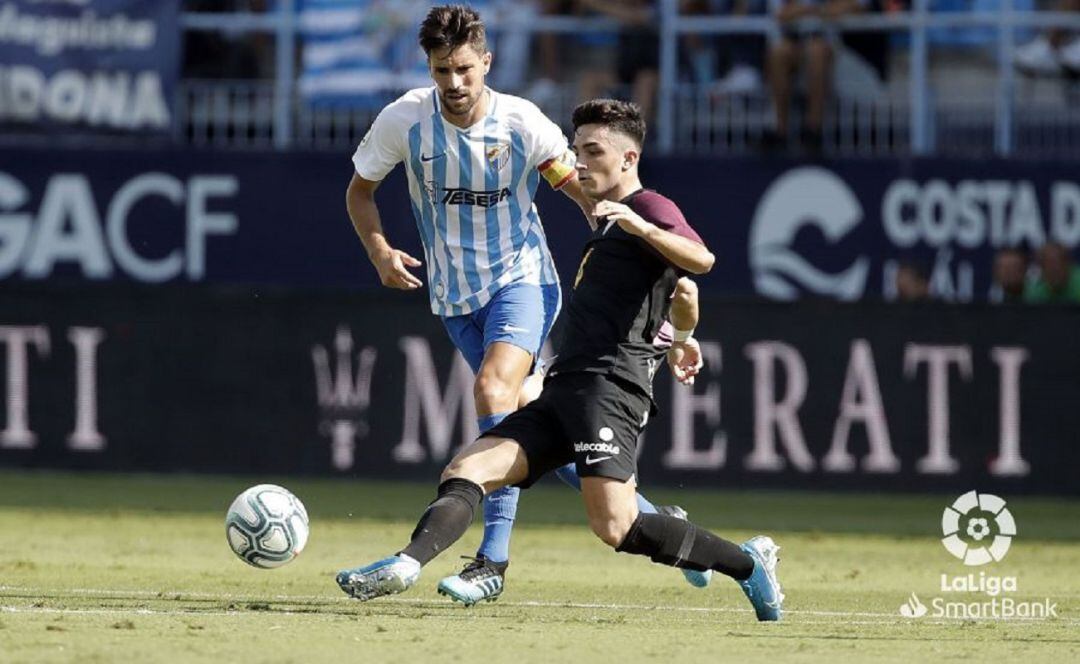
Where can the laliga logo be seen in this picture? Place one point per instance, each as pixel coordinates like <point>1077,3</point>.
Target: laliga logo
<point>804,196</point>
<point>967,513</point>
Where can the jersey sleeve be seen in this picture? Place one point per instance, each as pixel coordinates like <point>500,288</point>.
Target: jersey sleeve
<point>381,148</point>
<point>664,214</point>
<point>550,152</point>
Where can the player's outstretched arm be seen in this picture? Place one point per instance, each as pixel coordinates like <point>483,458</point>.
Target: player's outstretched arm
<point>684,358</point>
<point>682,252</point>
<point>390,263</point>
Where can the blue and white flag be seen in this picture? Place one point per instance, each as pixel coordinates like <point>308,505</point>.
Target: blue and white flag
<point>360,53</point>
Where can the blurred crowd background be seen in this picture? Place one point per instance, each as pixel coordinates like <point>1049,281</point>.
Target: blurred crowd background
<point>796,78</point>
<point>787,76</point>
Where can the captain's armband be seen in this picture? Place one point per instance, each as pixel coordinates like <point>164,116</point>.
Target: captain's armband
<point>558,170</point>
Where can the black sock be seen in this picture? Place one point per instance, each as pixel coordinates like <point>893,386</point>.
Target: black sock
<point>445,520</point>
<point>671,541</point>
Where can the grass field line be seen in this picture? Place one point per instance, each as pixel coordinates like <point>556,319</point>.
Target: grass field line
<point>462,615</point>
<point>105,593</point>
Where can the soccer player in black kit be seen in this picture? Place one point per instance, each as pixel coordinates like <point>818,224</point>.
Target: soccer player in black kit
<point>597,397</point>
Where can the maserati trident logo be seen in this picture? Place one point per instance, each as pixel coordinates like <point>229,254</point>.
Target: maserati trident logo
<point>344,393</point>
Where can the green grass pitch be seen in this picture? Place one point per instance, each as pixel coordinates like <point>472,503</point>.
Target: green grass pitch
<point>109,568</point>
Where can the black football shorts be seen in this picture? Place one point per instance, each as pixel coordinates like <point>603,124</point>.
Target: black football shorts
<point>590,419</point>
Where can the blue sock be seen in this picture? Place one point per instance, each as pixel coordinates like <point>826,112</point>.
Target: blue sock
<point>485,422</point>
<point>568,474</point>
<point>500,508</point>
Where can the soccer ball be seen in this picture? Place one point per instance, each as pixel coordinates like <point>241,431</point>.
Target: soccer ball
<point>267,526</point>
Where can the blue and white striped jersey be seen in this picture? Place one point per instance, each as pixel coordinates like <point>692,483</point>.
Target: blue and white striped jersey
<point>472,191</point>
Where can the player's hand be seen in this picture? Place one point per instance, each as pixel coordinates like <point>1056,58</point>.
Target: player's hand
<point>685,360</point>
<point>392,266</point>
<point>627,219</point>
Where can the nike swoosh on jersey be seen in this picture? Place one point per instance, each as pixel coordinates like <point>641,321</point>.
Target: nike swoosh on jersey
<point>590,461</point>
<point>424,157</point>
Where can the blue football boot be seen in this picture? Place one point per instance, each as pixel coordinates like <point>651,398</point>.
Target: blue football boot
<point>761,587</point>
<point>388,576</point>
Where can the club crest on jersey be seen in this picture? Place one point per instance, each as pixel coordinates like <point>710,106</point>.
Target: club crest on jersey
<point>498,155</point>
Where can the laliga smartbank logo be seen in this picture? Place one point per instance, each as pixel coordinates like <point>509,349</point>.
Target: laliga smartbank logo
<point>978,529</point>
<point>969,513</point>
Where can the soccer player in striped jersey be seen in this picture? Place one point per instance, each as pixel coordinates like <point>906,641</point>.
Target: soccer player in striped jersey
<point>473,159</point>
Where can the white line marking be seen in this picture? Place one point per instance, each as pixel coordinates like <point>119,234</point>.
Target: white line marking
<point>176,595</point>
<point>458,615</point>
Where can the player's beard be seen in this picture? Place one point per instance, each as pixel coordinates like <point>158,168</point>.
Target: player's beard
<point>462,106</point>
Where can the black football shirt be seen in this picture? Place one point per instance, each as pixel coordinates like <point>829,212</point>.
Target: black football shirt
<point>621,297</point>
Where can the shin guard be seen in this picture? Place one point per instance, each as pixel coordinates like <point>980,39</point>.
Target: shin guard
<point>678,543</point>
<point>445,520</point>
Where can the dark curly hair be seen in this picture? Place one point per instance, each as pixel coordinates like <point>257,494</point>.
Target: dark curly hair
<point>450,26</point>
<point>621,116</point>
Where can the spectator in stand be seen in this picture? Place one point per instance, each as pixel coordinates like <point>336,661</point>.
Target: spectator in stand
<point>1053,53</point>
<point>637,56</point>
<point>912,282</point>
<point>544,91</point>
<point>1058,281</point>
<point>738,56</point>
<point>814,52</point>
<point>1010,276</point>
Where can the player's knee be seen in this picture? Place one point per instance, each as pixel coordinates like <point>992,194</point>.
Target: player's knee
<point>452,470</point>
<point>611,529</point>
<point>480,464</point>
<point>463,466</point>
<point>495,393</point>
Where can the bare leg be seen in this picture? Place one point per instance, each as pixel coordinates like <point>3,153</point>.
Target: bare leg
<point>499,380</point>
<point>644,91</point>
<point>484,466</point>
<point>818,81</point>
<point>781,66</point>
<point>611,507</point>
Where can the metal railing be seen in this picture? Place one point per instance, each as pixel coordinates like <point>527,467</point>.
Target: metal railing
<point>684,116</point>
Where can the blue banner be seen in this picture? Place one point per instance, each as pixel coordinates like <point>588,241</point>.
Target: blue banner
<point>103,65</point>
<point>780,229</point>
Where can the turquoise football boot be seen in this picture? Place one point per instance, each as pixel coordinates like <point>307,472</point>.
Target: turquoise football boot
<point>762,588</point>
<point>481,580</point>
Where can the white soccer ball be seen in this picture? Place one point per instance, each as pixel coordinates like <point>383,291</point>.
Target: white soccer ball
<point>267,526</point>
